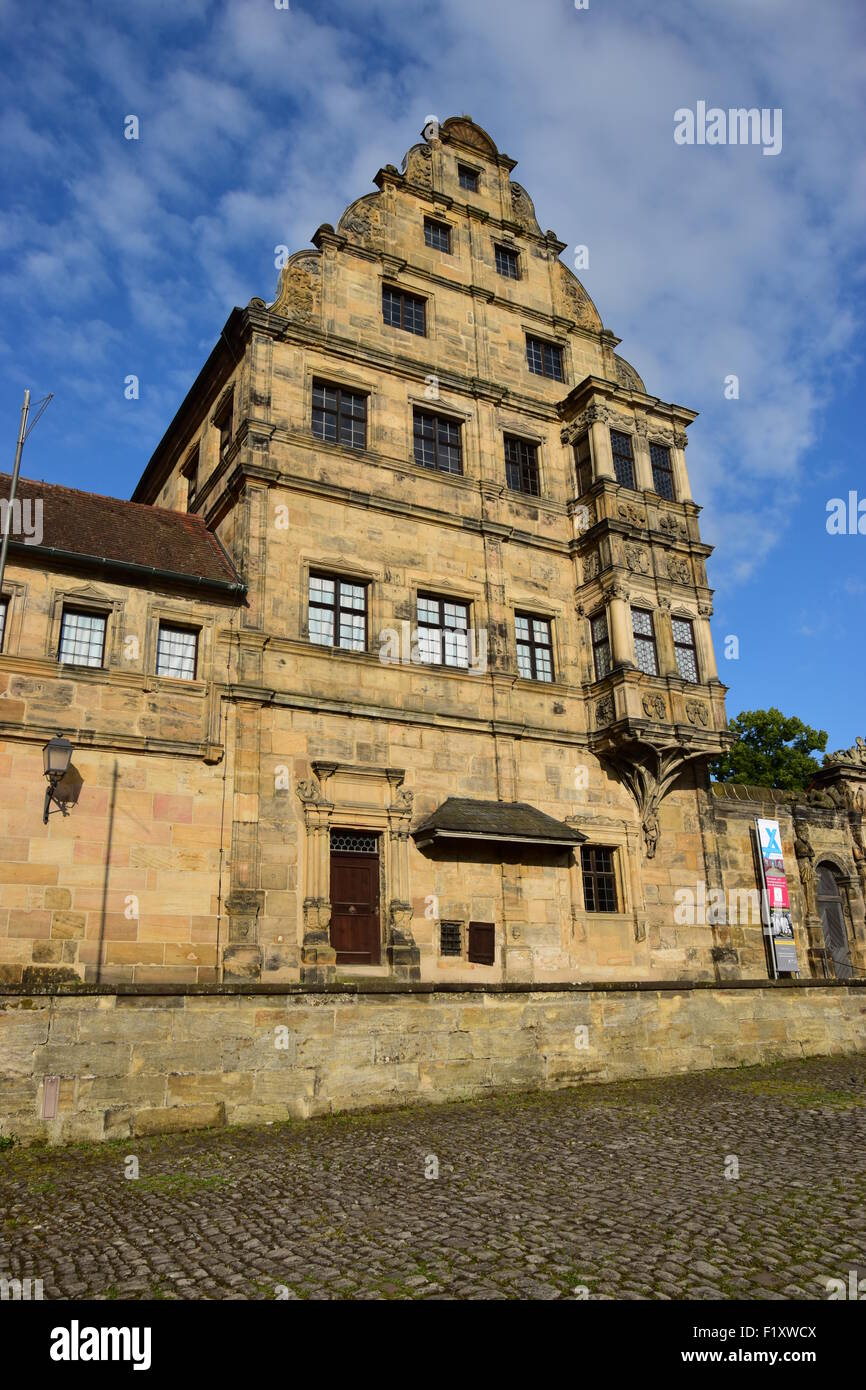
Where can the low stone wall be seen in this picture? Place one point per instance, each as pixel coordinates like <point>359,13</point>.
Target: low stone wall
<point>141,1062</point>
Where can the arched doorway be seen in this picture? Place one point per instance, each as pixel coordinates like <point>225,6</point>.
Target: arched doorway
<point>833,921</point>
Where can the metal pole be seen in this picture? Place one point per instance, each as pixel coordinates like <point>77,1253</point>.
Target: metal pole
<point>25,411</point>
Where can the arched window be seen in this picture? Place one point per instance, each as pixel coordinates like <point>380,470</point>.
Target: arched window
<point>830,906</point>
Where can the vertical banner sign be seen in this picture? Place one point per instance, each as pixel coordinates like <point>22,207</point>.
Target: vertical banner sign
<point>777,908</point>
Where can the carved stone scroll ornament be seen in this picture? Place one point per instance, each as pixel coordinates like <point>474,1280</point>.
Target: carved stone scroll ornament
<point>310,792</point>
<point>649,774</point>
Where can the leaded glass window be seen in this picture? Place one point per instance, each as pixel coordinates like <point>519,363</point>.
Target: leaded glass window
<point>644,641</point>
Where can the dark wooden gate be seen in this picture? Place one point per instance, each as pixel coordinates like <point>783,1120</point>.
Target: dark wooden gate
<point>833,922</point>
<point>355,923</point>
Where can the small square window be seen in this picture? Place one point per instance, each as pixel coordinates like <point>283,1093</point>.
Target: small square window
<point>450,939</point>
<point>176,652</point>
<point>482,943</point>
<point>543,358</point>
<point>599,878</point>
<point>437,235</point>
<point>468,178</point>
<point>82,638</point>
<point>521,466</point>
<point>406,311</point>
<point>507,263</point>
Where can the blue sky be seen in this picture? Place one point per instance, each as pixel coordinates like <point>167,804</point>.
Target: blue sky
<point>258,124</point>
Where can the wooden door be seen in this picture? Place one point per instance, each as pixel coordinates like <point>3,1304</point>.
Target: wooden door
<point>355,927</point>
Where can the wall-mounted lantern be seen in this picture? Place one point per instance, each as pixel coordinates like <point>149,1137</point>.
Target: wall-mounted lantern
<point>56,757</point>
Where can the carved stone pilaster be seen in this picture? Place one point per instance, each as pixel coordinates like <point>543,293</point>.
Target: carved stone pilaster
<point>318,957</point>
<point>404,956</point>
<point>242,958</point>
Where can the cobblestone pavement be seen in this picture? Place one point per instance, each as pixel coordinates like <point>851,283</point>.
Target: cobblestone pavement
<point>620,1190</point>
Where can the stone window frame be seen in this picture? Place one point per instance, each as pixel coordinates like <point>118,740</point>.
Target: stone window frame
<point>171,615</point>
<point>441,223</point>
<point>226,402</point>
<point>352,574</point>
<point>656,439</point>
<point>626,429</point>
<point>15,594</point>
<point>192,475</point>
<point>476,169</point>
<point>342,389</point>
<point>617,837</point>
<point>554,340</point>
<point>533,609</point>
<point>499,242</point>
<point>86,600</point>
<point>469,437</point>
<point>324,371</point>
<point>426,586</point>
<point>524,437</point>
<point>639,603</point>
<point>392,282</point>
<point>457,957</point>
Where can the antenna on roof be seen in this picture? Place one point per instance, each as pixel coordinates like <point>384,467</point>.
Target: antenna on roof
<point>24,433</point>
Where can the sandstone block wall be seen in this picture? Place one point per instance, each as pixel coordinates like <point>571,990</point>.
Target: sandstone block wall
<point>134,1063</point>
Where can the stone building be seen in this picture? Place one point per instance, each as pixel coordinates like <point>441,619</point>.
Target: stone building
<point>399,661</point>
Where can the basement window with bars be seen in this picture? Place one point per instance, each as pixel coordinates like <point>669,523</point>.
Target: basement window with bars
<point>338,613</point>
<point>599,878</point>
<point>339,417</point>
<point>663,473</point>
<point>600,644</point>
<point>176,652</point>
<point>543,358</point>
<point>406,311</point>
<point>443,631</point>
<point>623,458</point>
<point>534,648</point>
<point>684,648</point>
<point>82,638</point>
<point>450,939</point>
<point>437,442</point>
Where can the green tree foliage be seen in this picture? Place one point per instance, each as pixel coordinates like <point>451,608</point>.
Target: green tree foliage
<point>773,750</point>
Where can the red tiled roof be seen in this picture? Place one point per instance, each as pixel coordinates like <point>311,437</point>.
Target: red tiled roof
<point>126,533</point>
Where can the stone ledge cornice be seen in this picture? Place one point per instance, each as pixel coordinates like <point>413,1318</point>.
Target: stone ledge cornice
<point>125,994</point>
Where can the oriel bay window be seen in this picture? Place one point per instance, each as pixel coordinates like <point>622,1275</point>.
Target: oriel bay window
<point>543,358</point>
<point>406,311</point>
<point>82,638</point>
<point>521,466</point>
<point>443,631</point>
<point>684,648</point>
<point>645,653</point>
<point>176,652</point>
<point>338,613</point>
<point>663,473</point>
<point>623,458</point>
<point>437,442</point>
<point>600,644</point>
<point>339,416</point>
<point>599,878</point>
<point>534,650</point>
